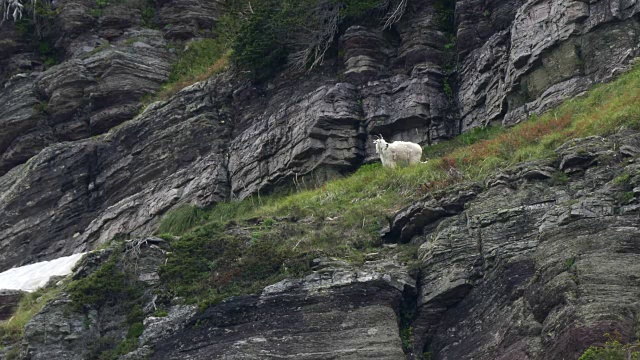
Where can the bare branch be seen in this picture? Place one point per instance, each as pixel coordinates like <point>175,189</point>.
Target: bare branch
<point>317,38</point>
<point>395,15</point>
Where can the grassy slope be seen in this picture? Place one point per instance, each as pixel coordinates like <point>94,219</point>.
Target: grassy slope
<point>241,246</point>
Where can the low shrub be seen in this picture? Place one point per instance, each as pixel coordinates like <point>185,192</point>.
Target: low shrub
<point>613,349</point>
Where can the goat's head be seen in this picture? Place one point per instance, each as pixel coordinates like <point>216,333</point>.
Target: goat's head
<point>380,144</point>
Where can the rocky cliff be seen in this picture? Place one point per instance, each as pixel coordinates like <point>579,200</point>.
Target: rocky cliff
<point>529,264</point>
<point>87,178</point>
<point>519,267</point>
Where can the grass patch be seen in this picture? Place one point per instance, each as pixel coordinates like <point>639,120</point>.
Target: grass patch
<point>182,219</point>
<point>11,330</point>
<point>238,247</point>
<point>623,179</point>
<point>161,313</point>
<point>199,61</point>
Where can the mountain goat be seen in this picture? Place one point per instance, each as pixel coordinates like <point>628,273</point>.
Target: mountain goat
<point>398,153</point>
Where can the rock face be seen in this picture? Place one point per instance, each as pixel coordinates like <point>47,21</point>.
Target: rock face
<point>528,265</point>
<point>61,331</point>
<point>226,138</point>
<point>525,266</point>
<point>116,183</point>
<point>337,312</point>
<point>531,267</point>
<point>523,57</point>
<point>87,95</point>
<point>9,300</point>
<point>537,262</point>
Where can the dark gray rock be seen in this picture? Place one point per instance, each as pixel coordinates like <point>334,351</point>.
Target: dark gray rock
<point>428,212</point>
<point>63,331</point>
<point>514,58</point>
<point>186,19</point>
<point>25,130</point>
<point>524,268</point>
<point>158,329</point>
<point>315,134</point>
<point>529,269</point>
<point>519,58</point>
<point>116,184</point>
<point>337,312</point>
<point>57,332</point>
<point>87,95</point>
<point>9,300</point>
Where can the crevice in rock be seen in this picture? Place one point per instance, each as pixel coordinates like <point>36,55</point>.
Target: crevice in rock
<point>406,317</point>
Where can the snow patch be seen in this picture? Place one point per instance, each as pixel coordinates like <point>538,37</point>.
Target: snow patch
<point>31,277</point>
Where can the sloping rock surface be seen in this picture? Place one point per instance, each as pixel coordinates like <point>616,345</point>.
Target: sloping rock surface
<point>337,312</point>
<point>531,267</point>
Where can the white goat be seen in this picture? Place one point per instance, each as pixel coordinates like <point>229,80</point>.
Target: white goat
<point>398,153</point>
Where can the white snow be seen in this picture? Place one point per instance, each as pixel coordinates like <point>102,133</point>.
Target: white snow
<point>31,277</point>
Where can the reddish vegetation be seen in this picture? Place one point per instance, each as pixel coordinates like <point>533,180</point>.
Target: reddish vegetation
<point>505,144</point>
<point>220,280</point>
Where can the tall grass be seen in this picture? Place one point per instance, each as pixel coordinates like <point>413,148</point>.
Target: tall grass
<point>182,219</point>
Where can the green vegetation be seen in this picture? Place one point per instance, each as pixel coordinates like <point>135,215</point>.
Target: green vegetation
<point>208,271</point>
<point>182,219</point>
<point>199,61</point>
<point>613,350</point>
<point>110,349</point>
<point>625,197</point>
<point>559,178</point>
<point>106,286</point>
<point>13,354</point>
<point>36,28</point>
<point>31,303</point>
<point>47,53</point>
<point>161,313</point>
<point>445,13</point>
<point>623,179</point>
<point>405,336</point>
<point>42,107</point>
<point>114,285</point>
<point>238,247</point>
<point>569,262</point>
<point>428,355</point>
<point>446,20</point>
